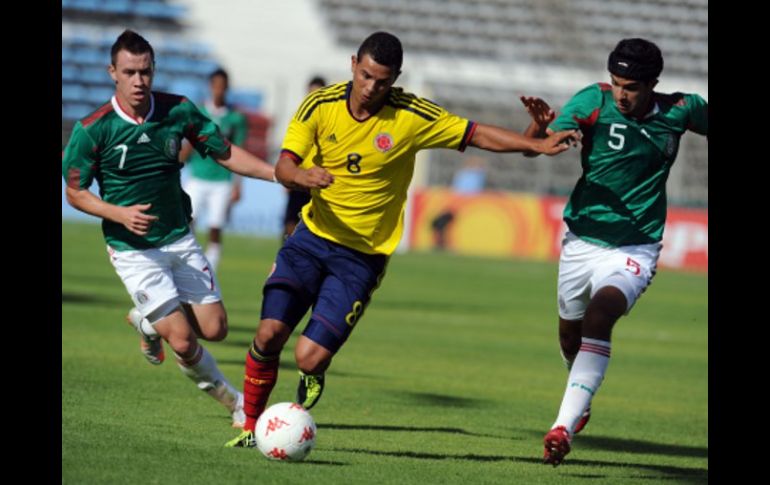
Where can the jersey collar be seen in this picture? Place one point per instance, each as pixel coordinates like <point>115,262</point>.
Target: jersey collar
<point>128,117</point>
<point>218,111</point>
<point>655,110</point>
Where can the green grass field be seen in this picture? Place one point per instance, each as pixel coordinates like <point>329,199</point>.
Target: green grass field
<point>452,376</point>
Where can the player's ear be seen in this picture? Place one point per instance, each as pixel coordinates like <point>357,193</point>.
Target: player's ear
<point>112,72</point>
<point>396,76</point>
<point>353,62</point>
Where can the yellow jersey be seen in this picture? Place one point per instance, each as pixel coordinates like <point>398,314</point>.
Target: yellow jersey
<point>372,161</point>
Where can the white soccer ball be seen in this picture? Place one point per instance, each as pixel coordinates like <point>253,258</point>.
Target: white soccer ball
<point>285,431</point>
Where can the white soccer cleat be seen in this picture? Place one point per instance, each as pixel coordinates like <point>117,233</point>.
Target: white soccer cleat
<point>239,416</point>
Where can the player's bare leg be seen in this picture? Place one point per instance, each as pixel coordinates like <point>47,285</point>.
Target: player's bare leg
<point>197,363</point>
<point>214,247</point>
<point>312,360</point>
<point>209,321</point>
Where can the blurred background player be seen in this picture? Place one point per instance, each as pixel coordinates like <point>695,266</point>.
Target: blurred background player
<point>469,179</point>
<point>130,145</point>
<point>364,135</point>
<point>296,199</point>
<point>615,214</point>
<point>214,189</point>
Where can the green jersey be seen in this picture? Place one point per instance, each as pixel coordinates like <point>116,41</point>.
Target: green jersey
<point>621,197</point>
<point>232,125</point>
<point>139,164</point>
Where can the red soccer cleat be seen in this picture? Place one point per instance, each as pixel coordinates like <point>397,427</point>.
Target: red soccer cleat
<point>583,421</point>
<point>557,445</point>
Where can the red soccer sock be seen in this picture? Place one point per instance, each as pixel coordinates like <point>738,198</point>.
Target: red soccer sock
<point>261,376</point>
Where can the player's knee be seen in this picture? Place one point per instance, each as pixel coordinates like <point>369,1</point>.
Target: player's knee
<point>272,335</point>
<point>609,303</point>
<point>217,330</point>
<point>184,346</point>
<point>569,342</point>
<point>311,362</point>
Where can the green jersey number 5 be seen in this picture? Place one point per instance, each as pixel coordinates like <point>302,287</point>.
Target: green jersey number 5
<point>614,133</point>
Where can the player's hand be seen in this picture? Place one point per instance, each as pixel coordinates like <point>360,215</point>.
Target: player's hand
<point>136,220</point>
<point>313,178</point>
<point>541,113</point>
<point>558,142</point>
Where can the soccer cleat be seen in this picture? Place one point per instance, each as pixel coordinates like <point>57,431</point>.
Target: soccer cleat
<point>583,421</point>
<point>557,445</point>
<point>239,417</point>
<point>309,389</point>
<point>244,440</point>
<point>151,347</point>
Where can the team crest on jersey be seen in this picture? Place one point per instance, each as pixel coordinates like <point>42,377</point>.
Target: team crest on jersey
<point>383,142</point>
<point>141,297</point>
<point>171,147</point>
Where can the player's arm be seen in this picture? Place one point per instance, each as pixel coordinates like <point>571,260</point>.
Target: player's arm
<point>699,114</point>
<point>289,173</point>
<point>132,217</point>
<point>239,161</point>
<point>80,161</point>
<point>496,139</point>
<point>185,151</point>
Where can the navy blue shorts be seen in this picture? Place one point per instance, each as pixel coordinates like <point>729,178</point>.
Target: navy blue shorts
<point>335,280</point>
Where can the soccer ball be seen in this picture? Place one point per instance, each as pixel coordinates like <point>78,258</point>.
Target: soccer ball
<point>285,431</point>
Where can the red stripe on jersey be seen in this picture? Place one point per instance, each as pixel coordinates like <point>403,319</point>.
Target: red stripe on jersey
<point>189,132</point>
<point>288,153</point>
<point>203,138</point>
<point>106,108</point>
<point>587,122</point>
<point>468,136</point>
<point>604,86</point>
<point>73,178</point>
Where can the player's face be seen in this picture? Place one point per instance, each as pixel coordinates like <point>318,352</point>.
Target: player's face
<point>132,74</point>
<point>371,81</point>
<point>631,97</point>
<point>218,87</point>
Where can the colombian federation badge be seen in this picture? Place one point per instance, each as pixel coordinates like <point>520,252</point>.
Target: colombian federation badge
<point>383,142</point>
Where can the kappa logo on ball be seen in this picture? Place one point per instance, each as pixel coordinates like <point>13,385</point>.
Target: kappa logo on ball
<point>275,424</point>
<point>383,142</point>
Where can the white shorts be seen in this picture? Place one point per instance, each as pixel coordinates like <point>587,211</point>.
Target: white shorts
<point>584,268</point>
<point>210,199</point>
<point>175,272</point>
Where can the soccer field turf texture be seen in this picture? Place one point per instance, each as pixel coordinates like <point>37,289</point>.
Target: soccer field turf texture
<point>453,375</point>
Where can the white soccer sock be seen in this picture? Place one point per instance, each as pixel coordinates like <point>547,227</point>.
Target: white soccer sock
<point>147,328</point>
<point>202,369</point>
<point>584,380</point>
<point>213,252</point>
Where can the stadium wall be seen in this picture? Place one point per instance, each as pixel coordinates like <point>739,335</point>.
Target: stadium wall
<point>530,227</point>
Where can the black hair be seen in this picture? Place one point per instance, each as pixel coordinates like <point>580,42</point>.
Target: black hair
<point>384,48</point>
<point>133,43</point>
<point>317,80</point>
<point>220,72</point>
<point>637,59</point>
